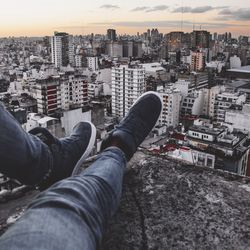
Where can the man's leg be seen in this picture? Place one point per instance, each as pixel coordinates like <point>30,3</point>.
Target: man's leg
<point>23,156</point>
<point>72,213</point>
<point>41,161</point>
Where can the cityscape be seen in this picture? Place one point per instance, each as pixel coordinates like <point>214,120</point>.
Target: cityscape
<point>200,71</point>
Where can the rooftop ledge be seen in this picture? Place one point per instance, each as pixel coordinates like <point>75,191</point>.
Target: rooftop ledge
<point>168,205</point>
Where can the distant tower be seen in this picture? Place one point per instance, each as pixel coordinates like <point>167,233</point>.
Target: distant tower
<point>62,49</point>
<point>200,39</point>
<point>111,34</point>
<point>148,33</point>
<point>198,61</point>
<point>182,11</point>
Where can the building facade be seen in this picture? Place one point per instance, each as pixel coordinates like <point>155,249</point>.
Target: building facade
<point>171,99</point>
<point>60,93</point>
<point>128,83</point>
<point>62,49</point>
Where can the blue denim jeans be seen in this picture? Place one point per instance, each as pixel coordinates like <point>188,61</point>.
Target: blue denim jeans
<point>71,214</point>
<point>22,156</point>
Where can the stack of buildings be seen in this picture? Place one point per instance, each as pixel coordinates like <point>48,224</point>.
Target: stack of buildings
<point>203,81</point>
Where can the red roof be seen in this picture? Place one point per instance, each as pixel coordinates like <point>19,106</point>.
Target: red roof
<point>190,117</point>
<point>178,136</point>
<point>185,148</point>
<point>169,147</point>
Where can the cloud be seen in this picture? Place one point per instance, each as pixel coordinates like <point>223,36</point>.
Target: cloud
<point>142,8</point>
<point>197,10</point>
<point>109,6</point>
<point>166,24</point>
<point>157,8</point>
<point>242,14</point>
<point>150,9</point>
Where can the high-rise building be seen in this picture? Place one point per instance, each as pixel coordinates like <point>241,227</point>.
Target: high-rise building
<point>127,48</point>
<point>62,49</point>
<point>200,39</point>
<point>174,40</point>
<point>198,61</point>
<point>124,48</point>
<point>171,100</point>
<point>128,83</point>
<point>114,49</point>
<point>111,34</point>
<point>178,40</point>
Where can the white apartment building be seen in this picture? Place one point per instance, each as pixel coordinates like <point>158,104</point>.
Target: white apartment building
<point>210,95</point>
<point>171,98</point>
<point>92,62</point>
<point>74,91</point>
<point>62,49</point>
<point>78,61</point>
<point>193,104</point>
<point>128,83</point>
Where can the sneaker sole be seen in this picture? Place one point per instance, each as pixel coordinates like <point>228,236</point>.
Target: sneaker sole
<point>87,151</point>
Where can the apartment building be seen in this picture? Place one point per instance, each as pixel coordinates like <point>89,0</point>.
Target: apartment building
<point>62,92</point>
<point>171,98</point>
<point>62,49</point>
<point>224,101</point>
<point>128,83</point>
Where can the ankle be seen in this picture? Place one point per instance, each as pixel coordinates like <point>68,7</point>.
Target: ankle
<point>117,142</point>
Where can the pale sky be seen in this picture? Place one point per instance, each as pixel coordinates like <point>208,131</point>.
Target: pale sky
<point>39,18</point>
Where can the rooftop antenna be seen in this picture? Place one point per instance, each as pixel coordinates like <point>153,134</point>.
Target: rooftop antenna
<point>194,23</point>
<point>182,11</point>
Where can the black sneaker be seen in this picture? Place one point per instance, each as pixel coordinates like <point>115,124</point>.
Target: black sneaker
<point>67,152</point>
<point>136,125</point>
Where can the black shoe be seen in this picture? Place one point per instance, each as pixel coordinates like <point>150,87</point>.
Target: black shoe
<point>66,152</point>
<point>136,125</point>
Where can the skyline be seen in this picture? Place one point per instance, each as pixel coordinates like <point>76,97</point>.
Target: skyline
<point>40,18</point>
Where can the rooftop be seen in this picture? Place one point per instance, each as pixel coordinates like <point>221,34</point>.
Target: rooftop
<point>244,69</point>
<point>167,205</point>
<point>207,130</point>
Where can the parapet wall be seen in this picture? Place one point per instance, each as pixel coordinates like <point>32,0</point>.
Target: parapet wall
<point>166,205</point>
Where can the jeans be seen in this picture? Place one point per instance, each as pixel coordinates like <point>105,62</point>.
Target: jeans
<point>71,214</point>
<point>22,156</point>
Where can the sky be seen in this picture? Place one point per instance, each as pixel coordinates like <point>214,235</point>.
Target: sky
<point>43,17</point>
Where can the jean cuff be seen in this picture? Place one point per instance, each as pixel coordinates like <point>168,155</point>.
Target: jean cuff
<point>116,151</point>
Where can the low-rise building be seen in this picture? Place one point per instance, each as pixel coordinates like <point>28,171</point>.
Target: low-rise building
<point>231,150</point>
<point>239,118</point>
<point>224,101</point>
